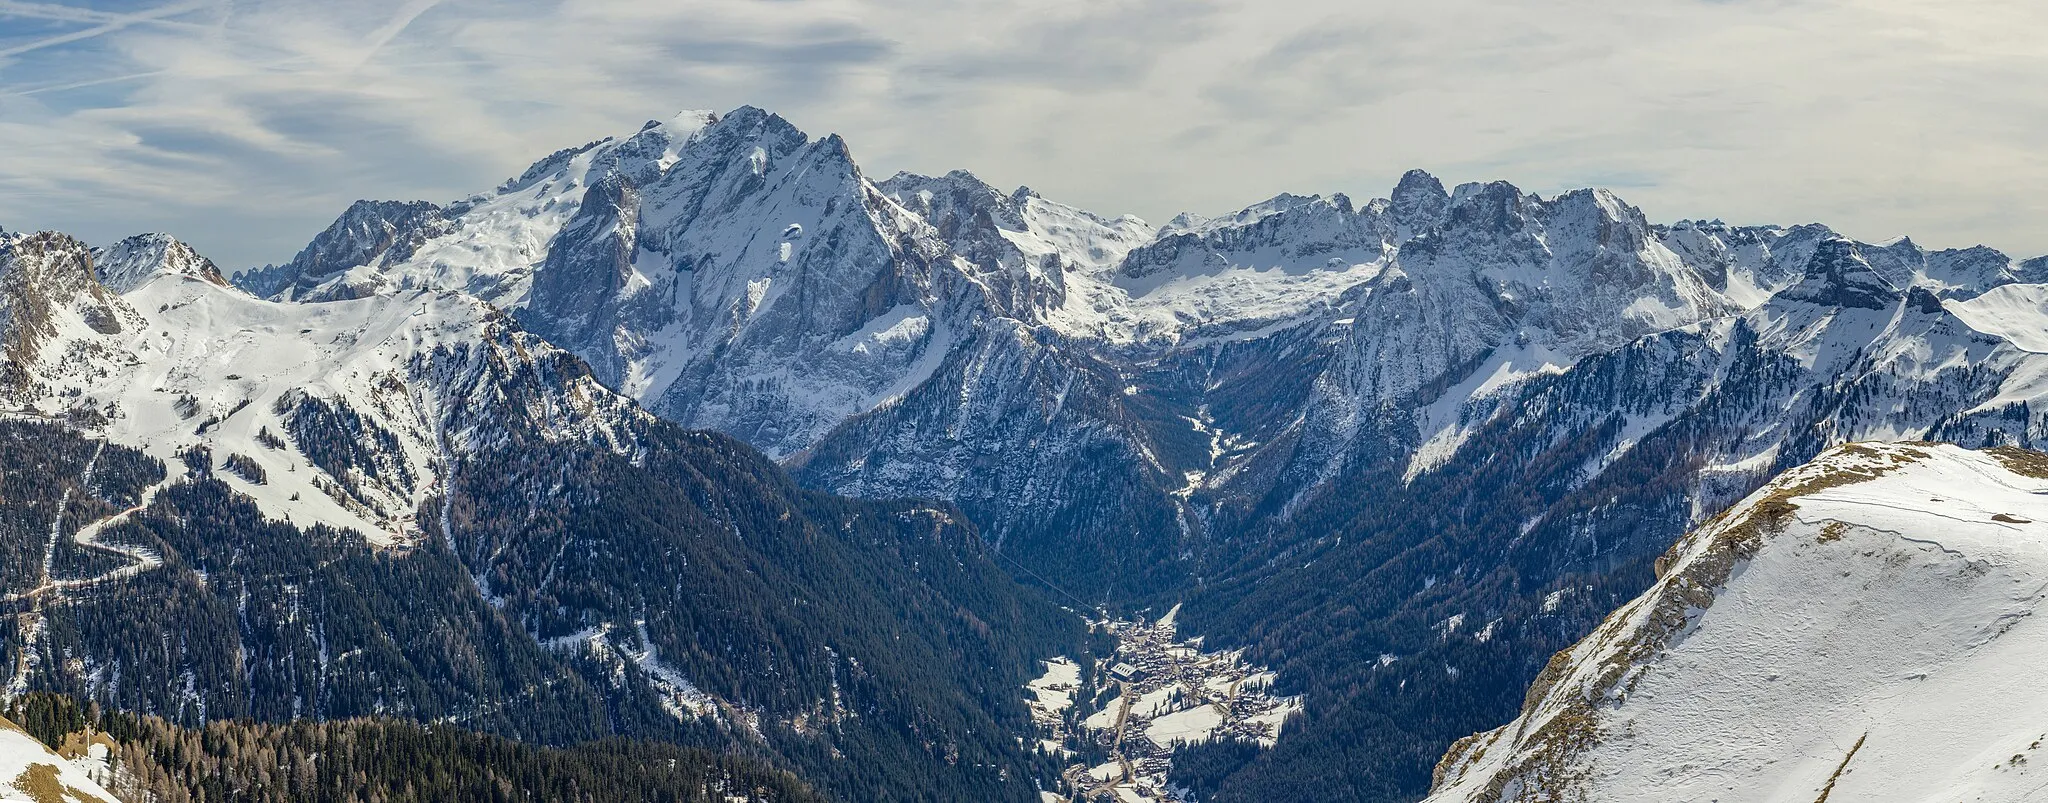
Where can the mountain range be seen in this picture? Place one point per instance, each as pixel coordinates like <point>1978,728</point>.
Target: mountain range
<point>603,428</point>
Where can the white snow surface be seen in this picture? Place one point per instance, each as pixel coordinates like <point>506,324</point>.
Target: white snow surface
<point>2016,312</point>
<point>497,239</point>
<point>196,363</point>
<point>1053,692</point>
<point>1877,647</point>
<point>1187,726</point>
<point>20,753</point>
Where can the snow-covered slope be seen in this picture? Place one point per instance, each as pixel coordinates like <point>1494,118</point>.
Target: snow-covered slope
<point>728,271</point>
<point>1041,259</point>
<point>733,273</point>
<point>336,413</point>
<point>129,263</point>
<point>1858,629</point>
<point>1125,409</point>
<point>32,773</point>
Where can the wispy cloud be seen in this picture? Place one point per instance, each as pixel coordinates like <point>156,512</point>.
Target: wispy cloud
<point>102,23</point>
<point>395,26</point>
<point>246,125</point>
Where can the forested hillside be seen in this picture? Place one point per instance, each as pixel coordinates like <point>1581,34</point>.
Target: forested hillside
<point>150,760</point>
<point>694,596</point>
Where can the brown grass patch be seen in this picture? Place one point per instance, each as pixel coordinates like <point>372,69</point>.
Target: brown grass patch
<point>43,785</point>
<point>2024,462</point>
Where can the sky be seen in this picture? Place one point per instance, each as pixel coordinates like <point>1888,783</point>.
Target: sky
<point>246,126</point>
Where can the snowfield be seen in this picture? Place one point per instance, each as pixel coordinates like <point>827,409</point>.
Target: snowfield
<point>30,772</point>
<point>181,360</point>
<point>1860,629</point>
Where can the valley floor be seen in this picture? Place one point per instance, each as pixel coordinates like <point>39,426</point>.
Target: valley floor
<point>1155,694</point>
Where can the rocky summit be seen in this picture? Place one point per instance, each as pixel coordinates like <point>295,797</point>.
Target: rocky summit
<point>700,435</point>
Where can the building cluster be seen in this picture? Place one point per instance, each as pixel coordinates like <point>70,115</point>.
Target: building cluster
<point>1156,693</point>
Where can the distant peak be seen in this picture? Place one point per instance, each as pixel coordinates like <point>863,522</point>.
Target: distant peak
<point>1596,202</point>
<point>836,146</point>
<point>746,113</point>
<point>766,121</point>
<point>955,182</point>
<point>682,124</point>
<point>1485,192</point>
<point>1418,201</point>
<point>1837,275</point>
<point>132,262</point>
<point>1416,183</point>
<point>368,208</point>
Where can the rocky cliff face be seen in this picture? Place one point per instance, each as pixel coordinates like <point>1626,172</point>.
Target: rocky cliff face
<point>1331,425</point>
<point>405,504</point>
<point>734,273</point>
<point>48,295</point>
<point>127,264</point>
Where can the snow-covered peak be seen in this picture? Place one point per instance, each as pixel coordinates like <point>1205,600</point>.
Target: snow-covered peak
<point>1745,264</point>
<point>125,265</point>
<point>1041,261</point>
<point>1837,275</point>
<point>1253,215</point>
<point>1051,235</point>
<point>1417,204</point>
<point>1581,271</point>
<point>1290,233</point>
<point>273,390</point>
<point>342,262</point>
<point>685,124</point>
<point>1951,273</point>
<point>956,203</point>
<point>680,252</point>
<point>1184,221</point>
<point>1491,205</point>
<point>1848,632</point>
<point>2032,271</point>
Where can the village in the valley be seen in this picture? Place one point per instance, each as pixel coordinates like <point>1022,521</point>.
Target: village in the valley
<point>1156,693</point>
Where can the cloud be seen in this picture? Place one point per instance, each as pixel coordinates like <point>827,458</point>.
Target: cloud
<point>246,125</point>
<point>100,23</point>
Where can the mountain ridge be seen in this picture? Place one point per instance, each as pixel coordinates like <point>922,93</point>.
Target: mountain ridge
<point>1877,572</point>
<point>1332,428</point>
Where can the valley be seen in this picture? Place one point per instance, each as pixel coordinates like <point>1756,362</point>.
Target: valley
<point>699,435</point>
<point>1154,693</point>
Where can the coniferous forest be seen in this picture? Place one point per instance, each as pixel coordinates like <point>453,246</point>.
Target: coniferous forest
<point>387,761</point>
<point>871,647</point>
